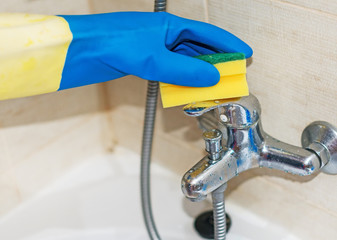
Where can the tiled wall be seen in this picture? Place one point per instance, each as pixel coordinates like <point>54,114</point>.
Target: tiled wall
<point>293,75</point>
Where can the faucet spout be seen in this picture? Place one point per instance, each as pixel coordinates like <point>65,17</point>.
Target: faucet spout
<point>207,176</point>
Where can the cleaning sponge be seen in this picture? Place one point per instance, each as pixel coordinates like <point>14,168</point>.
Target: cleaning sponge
<point>232,84</point>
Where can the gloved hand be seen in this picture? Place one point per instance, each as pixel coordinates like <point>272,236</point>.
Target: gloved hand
<point>153,46</point>
<point>41,54</point>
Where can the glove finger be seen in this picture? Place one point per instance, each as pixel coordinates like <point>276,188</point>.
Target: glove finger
<point>217,39</point>
<point>178,69</point>
<point>192,49</point>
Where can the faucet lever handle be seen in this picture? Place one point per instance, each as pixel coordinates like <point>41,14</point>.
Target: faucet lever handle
<point>236,112</point>
<point>197,109</point>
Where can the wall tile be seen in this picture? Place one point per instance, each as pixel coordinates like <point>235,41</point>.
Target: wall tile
<point>100,6</point>
<point>30,124</point>
<point>193,9</point>
<point>327,6</point>
<point>45,6</point>
<point>273,202</point>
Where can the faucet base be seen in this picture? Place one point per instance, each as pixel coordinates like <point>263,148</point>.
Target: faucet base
<point>321,137</point>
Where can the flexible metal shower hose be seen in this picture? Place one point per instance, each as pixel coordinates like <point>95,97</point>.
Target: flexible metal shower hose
<point>149,121</point>
<point>150,116</point>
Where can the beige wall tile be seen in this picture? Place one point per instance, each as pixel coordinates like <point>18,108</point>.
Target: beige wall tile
<point>327,6</point>
<point>273,202</point>
<point>193,9</point>
<point>46,6</point>
<point>30,124</point>
<point>318,191</point>
<point>46,107</point>
<point>100,6</point>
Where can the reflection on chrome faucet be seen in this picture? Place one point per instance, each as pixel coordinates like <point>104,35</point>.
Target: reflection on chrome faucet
<point>246,146</point>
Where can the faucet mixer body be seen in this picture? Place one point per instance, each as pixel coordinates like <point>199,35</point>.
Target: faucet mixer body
<point>247,146</point>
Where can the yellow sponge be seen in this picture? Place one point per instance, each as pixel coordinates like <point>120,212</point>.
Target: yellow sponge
<point>232,84</point>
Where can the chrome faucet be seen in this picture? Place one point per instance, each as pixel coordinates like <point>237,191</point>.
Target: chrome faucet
<point>236,142</point>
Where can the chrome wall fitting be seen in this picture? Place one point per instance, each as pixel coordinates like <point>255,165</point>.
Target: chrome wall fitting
<point>321,137</point>
<point>246,146</point>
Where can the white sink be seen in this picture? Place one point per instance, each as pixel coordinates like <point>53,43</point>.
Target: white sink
<point>100,200</point>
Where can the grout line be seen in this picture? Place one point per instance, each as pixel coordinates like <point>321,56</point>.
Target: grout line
<point>205,2</point>
<point>90,6</point>
<point>109,137</point>
<point>299,7</point>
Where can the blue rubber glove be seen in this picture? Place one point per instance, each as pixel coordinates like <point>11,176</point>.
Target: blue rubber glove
<point>153,46</point>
